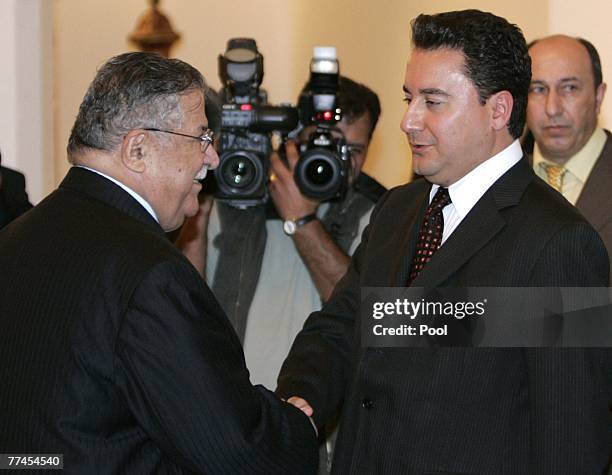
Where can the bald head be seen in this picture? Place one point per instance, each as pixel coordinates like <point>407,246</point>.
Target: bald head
<point>564,97</point>
<point>590,48</point>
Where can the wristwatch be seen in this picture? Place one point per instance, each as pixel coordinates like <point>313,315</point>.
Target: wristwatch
<point>290,225</point>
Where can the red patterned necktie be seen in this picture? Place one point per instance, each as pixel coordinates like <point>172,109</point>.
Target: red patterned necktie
<point>430,234</point>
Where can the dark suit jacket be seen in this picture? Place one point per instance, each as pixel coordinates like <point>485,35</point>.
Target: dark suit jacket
<point>595,200</point>
<point>115,353</point>
<point>13,197</point>
<point>452,410</point>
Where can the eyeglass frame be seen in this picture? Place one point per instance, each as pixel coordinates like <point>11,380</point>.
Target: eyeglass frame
<point>207,137</point>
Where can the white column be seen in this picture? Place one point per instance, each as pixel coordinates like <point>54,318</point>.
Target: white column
<point>8,81</point>
<point>26,115</point>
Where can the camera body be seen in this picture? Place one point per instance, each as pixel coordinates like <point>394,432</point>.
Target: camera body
<point>322,173</point>
<point>324,166</point>
<point>247,122</point>
<point>244,150</point>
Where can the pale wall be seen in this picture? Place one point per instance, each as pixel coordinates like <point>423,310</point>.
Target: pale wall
<point>591,21</point>
<point>372,38</point>
<point>26,128</point>
<point>373,41</point>
<point>8,83</point>
<point>89,32</point>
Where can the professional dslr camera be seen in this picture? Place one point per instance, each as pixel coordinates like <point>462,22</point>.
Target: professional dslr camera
<point>247,121</point>
<point>323,168</point>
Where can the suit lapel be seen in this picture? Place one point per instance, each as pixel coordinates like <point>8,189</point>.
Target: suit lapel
<point>406,235</point>
<point>481,224</point>
<point>478,228</point>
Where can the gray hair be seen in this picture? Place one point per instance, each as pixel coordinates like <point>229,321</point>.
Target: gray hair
<point>131,91</point>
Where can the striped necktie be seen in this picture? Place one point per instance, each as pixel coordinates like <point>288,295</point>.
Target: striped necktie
<point>554,174</point>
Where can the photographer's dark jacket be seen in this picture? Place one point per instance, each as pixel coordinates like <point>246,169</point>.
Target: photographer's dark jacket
<point>242,240</point>
<point>595,200</point>
<point>13,197</point>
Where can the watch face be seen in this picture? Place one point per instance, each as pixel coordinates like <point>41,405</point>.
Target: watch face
<point>289,227</point>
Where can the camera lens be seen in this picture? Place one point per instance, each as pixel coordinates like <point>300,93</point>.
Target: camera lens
<point>319,172</point>
<point>239,173</point>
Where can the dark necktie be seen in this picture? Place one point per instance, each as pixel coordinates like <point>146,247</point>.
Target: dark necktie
<point>430,234</point>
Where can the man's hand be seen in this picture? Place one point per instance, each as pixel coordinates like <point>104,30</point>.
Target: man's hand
<point>301,404</point>
<point>325,261</point>
<point>195,227</point>
<point>193,238</point>
<point>288,200</point>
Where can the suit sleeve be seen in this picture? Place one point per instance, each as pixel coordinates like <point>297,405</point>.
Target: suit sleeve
<point>319,362</point>
<point>182,371</point>
<point>570,389</point>
<point>13,188</point>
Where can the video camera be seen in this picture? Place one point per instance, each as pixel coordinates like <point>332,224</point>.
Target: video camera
<point>247,123</point>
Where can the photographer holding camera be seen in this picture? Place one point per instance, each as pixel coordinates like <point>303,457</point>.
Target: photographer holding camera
<point>269,272</point>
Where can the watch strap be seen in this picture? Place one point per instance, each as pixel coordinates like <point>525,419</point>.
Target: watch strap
<point>290,226</point>
<point>305,219</point>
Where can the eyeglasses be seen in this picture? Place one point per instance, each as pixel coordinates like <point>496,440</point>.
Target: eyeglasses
<point>205,139</point>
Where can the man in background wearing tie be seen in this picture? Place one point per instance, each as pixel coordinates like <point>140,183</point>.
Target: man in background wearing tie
<point>571,152</point>
<point>479,218</point>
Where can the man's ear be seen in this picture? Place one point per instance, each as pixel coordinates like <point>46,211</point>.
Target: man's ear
<point>599,97</point>
<point>134,150</point>
<point>501,104</point>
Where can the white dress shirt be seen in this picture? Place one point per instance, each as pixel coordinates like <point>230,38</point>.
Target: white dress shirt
<point>466,192</point>
<point>578,168</point>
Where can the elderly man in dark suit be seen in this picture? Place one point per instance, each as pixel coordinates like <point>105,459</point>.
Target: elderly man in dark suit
<point>114,351</point>
<point>13,197</point>
<point>571,152</point>
<point>480,217</point>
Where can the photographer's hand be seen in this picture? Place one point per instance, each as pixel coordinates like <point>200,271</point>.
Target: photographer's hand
<point>325,261</point>
<point>285,194</point>
<point>192,241</point>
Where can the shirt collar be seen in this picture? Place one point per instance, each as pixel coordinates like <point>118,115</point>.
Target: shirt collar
<point>581,164</point>
<point>466,192</point>
<point>132,193</point>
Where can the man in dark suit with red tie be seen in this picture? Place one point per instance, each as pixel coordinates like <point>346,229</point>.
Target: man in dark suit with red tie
<point>113,350</point>
<point>13,197</point>
<point>479,218</point>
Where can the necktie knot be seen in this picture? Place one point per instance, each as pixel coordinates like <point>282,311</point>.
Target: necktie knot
<point>439,201</point>
<point>554,174</point>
